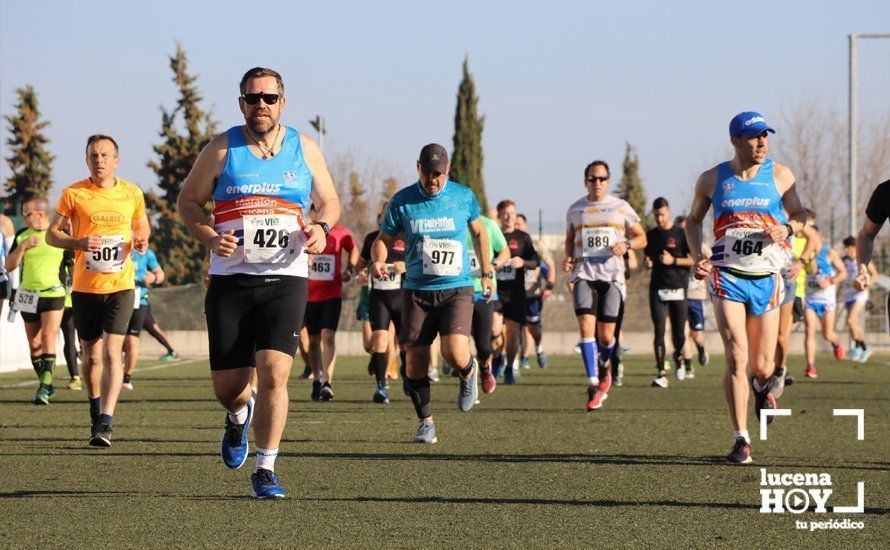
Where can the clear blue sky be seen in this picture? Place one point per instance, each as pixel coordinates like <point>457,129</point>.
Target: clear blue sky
<point>560,83</point>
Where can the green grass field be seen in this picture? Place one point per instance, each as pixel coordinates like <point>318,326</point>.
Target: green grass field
<point>526,468</point>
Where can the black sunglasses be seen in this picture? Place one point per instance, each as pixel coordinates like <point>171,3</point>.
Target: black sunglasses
<point>268,99</point>
<point>598,178</point>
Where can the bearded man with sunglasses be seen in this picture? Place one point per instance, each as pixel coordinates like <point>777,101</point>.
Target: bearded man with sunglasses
<point>596,241</point>
<point>261,178</point>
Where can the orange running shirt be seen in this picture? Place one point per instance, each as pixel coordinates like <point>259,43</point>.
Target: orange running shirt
<point>108,213</point>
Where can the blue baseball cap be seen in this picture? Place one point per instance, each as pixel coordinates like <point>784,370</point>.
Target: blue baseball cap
<point>748,124</point>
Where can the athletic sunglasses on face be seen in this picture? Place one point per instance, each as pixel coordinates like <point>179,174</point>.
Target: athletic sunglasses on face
<point>597,178</point>
<point>268,99</point>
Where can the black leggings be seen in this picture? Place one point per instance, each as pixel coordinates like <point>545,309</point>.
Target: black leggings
<point>70,335</point>
<point>149,325</point>
<point>676,309</point>
<point>616,349</point>
<point>483,316</point>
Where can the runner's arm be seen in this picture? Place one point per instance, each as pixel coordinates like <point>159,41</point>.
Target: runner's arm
<point>141,233</point>
<point>502,258</point>
<point>57,237</point>
<point>701,203</point>
<point>797,217</point>
<point>323,195</point>
<point>15,254</point>
<point>840,271</point>
<point>569,249</point>
<point>814,242</point>
<point>159,276</point>
<point>197,190</point>
<point>865,241</point>
<point>379,249</point>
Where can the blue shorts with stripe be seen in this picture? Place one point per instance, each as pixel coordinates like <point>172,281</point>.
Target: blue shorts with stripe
<point>760,294</point>
<point>695,314</point>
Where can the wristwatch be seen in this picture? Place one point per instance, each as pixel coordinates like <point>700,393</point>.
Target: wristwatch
<point>489,275</point>
<point>325,227</point>
<point>790,229</point>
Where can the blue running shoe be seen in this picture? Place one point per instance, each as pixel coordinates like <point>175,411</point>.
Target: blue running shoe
<point>855,354</point>
<point>234,440</point>
<point>525,364</point>
<point>265,485</point>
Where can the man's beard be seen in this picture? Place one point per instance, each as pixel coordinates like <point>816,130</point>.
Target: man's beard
<point>261,126</point>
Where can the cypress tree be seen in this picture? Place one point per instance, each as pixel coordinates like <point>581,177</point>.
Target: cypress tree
<point>30,162</point>
<point>630,188</point>
<point>181,255</point>
<point>466,161</point>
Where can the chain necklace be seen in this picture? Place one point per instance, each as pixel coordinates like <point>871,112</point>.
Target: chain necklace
<point>266,152</point>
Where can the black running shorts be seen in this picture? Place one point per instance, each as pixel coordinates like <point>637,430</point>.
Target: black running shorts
<point>250,313</point>
<point>513,306</point>
<point>98,313</point>
<point>426,313</point>
<point>137,321</point>
<point>323,315</point>
<point>44,304</point>
<point>385,306</point>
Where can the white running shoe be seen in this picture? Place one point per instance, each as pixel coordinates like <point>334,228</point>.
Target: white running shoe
<point>434,374</point>
<point>660,382</point>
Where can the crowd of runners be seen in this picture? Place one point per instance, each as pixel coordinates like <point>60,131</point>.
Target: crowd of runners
<point>437,274</point>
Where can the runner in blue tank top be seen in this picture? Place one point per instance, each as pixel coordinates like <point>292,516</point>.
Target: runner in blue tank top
<point>756,210</point>
<point>825,272</point>
<point>261,178</point>
<point>434,214</point>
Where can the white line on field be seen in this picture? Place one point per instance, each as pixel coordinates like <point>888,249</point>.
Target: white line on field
<point>143,369</point>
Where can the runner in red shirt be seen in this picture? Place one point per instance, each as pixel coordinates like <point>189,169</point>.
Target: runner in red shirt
<point>326,278</point>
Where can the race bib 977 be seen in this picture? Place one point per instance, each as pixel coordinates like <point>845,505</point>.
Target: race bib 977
<point>442,257</point>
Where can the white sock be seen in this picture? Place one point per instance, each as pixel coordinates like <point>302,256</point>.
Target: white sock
<point>540,349</point>
<point>239,417</point>
<point>265,459</point>
<point>741,433</point>
<point>593,381</point>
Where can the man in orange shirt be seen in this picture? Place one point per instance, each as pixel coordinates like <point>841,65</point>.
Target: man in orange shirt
<point>107,217</point>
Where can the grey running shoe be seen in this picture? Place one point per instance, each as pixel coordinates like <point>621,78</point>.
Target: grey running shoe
<point>469,389</point>
<point>543,360</point>
<point>619,376</point>
<point>426,433</point>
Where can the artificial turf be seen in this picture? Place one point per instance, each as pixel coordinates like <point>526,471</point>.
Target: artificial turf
<point>526,468</point>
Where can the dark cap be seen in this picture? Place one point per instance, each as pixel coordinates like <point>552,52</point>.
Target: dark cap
<point>433,158</point>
